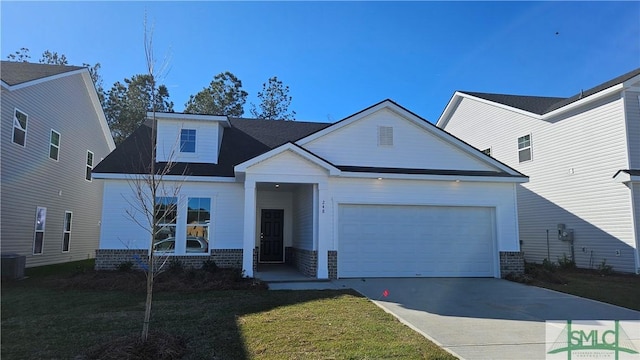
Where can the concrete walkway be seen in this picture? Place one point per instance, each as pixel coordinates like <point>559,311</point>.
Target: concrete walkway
<point>482,318</point>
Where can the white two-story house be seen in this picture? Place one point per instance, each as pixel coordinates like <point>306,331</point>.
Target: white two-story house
<point>53,133</point>
<point>582,155</point>
<point>382,192</point>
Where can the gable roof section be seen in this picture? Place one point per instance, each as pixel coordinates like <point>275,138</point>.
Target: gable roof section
<point>539,106</point>
<point>17,73</point>
<point>534,104</point>
<point>244,140</point>
<point>501,168</point>
<point>290,146</point>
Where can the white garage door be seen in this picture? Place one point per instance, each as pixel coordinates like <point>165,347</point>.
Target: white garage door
<point>410,241</point>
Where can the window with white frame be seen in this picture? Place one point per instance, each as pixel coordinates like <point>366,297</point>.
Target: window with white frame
<point>19,127</point>
<point>54,145</point>
<point>38,237</point>
<point>66,231</point>
<point>165,218</point>
<point>487,151</point>
<point>89,169</point>
<point>188,140</point>
<point>198,221</point>
<point>524,148</point>
<point>385,136</point>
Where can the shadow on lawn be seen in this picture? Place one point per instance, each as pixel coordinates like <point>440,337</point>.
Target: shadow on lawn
<point>195,314</point>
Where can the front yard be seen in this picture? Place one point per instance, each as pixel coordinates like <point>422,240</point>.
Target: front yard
<point>42,318</point>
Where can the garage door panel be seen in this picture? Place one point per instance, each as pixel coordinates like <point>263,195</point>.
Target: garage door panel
<point>415,241</point>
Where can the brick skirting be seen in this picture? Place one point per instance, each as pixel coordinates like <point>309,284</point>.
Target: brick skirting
<point>333,264</point>
<point>110,259</point>
<point>511,262</point>
<point>306,261</point>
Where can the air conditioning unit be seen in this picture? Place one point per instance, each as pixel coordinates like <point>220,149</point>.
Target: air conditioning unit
<point>12,266</point>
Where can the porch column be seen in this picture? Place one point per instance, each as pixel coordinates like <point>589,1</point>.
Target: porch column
<point>324,231</point>
<point>249,241</point>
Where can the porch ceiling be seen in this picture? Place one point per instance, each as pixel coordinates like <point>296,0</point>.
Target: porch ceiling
<point>264,186</point>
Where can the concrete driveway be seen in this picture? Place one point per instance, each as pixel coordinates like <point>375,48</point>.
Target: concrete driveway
<point>481,318</point>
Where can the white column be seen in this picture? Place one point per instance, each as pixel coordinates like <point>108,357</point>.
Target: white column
<point>249,241</point>
<point>324,231</point>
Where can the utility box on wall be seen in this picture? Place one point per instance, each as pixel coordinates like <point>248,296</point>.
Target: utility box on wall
<point>13,266</point>
<point>565,234</point>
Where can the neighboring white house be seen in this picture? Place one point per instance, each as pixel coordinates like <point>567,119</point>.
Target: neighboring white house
<point>53,133</point>
<point>582,155</point>
<point>382,192</point>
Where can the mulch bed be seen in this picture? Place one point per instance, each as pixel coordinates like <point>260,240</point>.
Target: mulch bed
<point>188,280</point>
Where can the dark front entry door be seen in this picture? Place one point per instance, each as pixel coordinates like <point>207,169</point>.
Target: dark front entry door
<point>271,246</point>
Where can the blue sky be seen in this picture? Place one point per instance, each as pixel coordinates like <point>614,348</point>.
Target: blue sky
<point>340,57</point>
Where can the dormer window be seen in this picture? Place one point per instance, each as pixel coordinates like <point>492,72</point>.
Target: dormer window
<point>188,140</point>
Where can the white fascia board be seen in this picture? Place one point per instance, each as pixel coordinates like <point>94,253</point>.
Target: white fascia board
<point>190,117</point>
<point>106,176</point>
<point>623,177</point>
<point>344,122</point>
<point>45,79</point>
<point>584,101</point>
<point>241,168</point>
<point>97,107</point>
<point>446,113</point>
<point>382,176</point>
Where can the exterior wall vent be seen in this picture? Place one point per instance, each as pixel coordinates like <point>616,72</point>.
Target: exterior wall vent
<point>385,136</point>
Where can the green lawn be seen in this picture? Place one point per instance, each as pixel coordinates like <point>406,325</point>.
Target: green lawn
<point>618,289</point>
<point>43,322</point>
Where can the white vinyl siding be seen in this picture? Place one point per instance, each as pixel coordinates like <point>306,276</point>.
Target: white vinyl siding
<point>414,147</point>
<point>118,231</point>
<point>632,105</point>
<point>569,182</point>
<point>303,217</point>
<point>62,104</point>
<point>206,144</point>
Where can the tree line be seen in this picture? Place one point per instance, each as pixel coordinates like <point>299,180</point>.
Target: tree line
<point>126,103</point>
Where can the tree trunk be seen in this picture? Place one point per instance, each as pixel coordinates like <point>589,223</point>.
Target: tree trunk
<point>147,304</point>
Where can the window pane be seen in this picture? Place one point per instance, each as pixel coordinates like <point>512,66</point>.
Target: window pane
<point>53,152</point>
<point>524,155</point>
<point>88,174</point>
<point>55,138</point>
<point>20,120</point>
<point>89,158</point>
<point>65,241</point>
<point>67,221</point>
<point>188,140</point>
<point>166,211</point>
<point>41,218</point>
<point>38,242</point>
<point>19,136</point>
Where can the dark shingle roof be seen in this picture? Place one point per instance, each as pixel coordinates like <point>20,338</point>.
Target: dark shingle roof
<point>245,139</point>
<point>14,73</point>
<point>541,105</point>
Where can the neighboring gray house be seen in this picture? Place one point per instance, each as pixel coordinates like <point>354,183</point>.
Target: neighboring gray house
<point>582,155</point>
<point>53,133</point>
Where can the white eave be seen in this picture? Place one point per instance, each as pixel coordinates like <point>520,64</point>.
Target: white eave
<point>223,120</point>
<point>624,177</point>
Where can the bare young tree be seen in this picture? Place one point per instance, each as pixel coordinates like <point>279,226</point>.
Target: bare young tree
<point>148,207</point>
